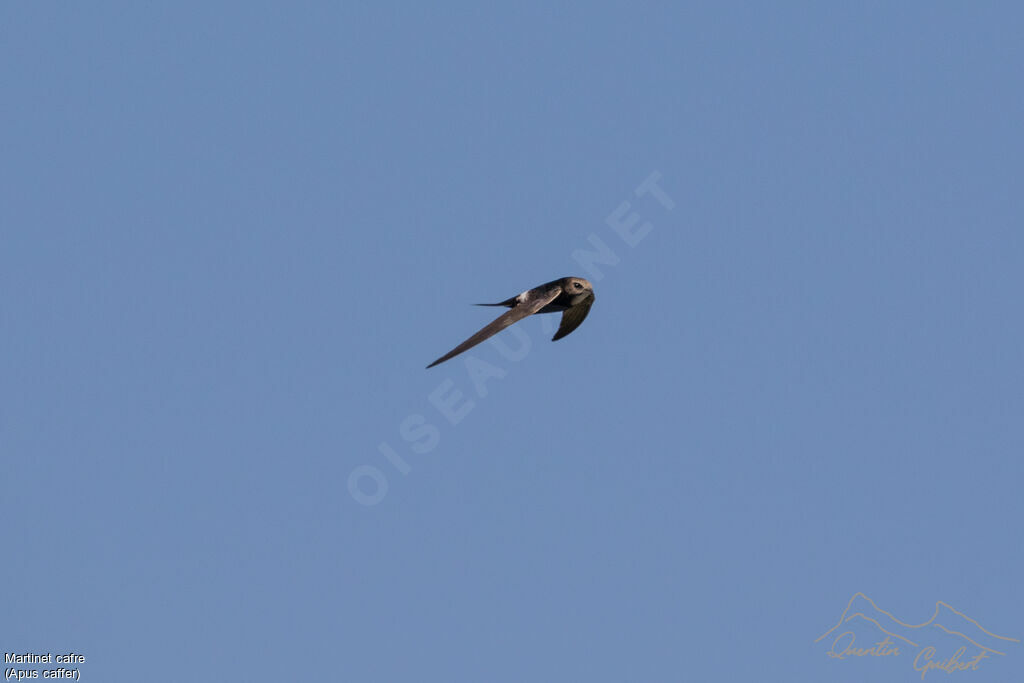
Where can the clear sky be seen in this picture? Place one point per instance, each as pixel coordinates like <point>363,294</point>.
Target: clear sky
<point>234,235</point>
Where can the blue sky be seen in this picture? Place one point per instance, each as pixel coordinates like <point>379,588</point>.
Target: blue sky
<point>234,235</point>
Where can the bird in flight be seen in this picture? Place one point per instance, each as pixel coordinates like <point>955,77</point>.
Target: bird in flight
<point>572,296</point>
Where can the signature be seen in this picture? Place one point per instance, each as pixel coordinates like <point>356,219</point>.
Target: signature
<point>900,637</point>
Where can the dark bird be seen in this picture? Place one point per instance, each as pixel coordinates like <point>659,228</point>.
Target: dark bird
<point>572,296</point>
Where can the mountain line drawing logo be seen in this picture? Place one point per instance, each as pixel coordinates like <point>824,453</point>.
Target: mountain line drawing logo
<point>950,641</point>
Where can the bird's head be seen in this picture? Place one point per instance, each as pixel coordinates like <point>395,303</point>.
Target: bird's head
<point>578,289</point>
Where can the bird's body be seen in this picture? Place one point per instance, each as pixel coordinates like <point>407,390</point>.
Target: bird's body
<point>571,296</point>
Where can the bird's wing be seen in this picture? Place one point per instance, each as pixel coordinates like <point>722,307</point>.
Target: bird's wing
<point>572,317</point>
<point>515,314</point>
